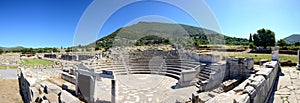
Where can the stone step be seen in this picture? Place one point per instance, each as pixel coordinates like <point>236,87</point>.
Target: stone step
<point>121,73</point>
<point>183,64</point>
<point>172,76</point>
<point>182,61</point>
<point>204,72</point>
<point>174,72</point>
<point>173,69</point>
<point>180,66</point>
<point>203,76</point>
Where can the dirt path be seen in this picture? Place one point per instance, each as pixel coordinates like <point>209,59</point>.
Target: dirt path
<point>9,91</point>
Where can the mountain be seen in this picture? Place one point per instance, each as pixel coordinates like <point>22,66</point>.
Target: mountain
<point>292,39</point>
<point>142,33</point>
<point>11,48</point>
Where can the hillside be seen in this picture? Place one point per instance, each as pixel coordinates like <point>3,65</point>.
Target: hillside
<point>179,33</point>
<point>292,39</point>
<point>11,48</point>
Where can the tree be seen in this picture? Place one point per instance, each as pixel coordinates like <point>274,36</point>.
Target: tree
<point>264,37</point>
<point>1,51</point>
<point>251,45</point>
<point>250,38</point>
<point>297,44</point>
<point>281,42</point>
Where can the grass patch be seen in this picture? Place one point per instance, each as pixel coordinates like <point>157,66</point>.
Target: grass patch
<point>8,67</point>
<point>32,62</point>
<point>258,57</point>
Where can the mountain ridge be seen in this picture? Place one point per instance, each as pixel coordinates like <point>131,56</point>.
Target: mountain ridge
<point>292,39</point>
<point>139,30</point>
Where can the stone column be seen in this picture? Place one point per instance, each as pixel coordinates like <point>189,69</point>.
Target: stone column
<point>94,89</point>
<point>298,64</point>
<point>113,91</point>
<point>275,53</point>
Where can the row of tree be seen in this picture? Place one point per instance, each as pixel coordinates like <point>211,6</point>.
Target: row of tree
<point>29,50</point>
<point>265,37</point>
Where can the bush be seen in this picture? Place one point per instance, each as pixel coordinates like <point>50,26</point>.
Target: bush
<point>1,51</point>
<point>251,45</point>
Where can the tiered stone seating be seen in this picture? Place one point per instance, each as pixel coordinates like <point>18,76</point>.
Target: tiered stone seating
<point>138,63</point>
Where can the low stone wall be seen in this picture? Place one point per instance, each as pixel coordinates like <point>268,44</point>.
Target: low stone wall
<point>68,77</point>
<point>256,89</point>
<point>205,58</point>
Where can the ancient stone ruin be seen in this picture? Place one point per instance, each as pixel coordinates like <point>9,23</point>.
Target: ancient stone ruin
<point>126,75</point>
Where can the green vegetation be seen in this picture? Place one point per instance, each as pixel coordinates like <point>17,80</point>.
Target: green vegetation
<point>152,39</point>
<point>281,42</point>
<point>236,41</point>
<point>258,57</point>
<point>250,38</point>
<point>291,47</point>
<point>264,37</point>
<point>1,51</point>
<point>32,62</point>
<point>8,67</point>
<point>29,50</point>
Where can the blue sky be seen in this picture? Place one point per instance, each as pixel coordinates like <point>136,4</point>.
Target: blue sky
<point>52,23</point>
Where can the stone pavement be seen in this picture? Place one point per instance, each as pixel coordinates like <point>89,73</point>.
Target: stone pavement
<point>288,88</point>
<point>144,88</point>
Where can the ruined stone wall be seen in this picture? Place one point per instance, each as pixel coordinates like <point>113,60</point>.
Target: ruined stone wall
<point>256,89</point>
<point>238,67</point>
<point>204,58</point>
<point>68,77</point>
<point>217,76</point>
<point>35,88</point>
<point>25,89</point>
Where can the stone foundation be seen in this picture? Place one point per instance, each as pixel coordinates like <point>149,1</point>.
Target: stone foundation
<point>256,88</point>
<point>35,88</point>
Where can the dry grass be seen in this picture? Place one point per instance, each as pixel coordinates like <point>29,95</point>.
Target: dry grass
<point>9,91</point>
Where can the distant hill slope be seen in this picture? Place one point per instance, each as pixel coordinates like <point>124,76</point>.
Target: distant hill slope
<point>292,39</point>
<point>165,30</point>
<point>11,48</point>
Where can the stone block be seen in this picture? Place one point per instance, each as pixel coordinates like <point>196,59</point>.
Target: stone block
<point>222,98</point>
<point>52,97</point>
<point>263,61</point>
<point>51,88</point>
<point>205,96</point>
<point>250,63</point>
<point>271,64</point>
<point>34,93</point>
<point>264,72</point>
<point>241,86</point>
<point>31,81</point>
<point>42,99</point>
<point>66,97</point>
<point>186,77</point>
<point>257,81</point>
<point>250,91</point>
<point>244,98</point>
